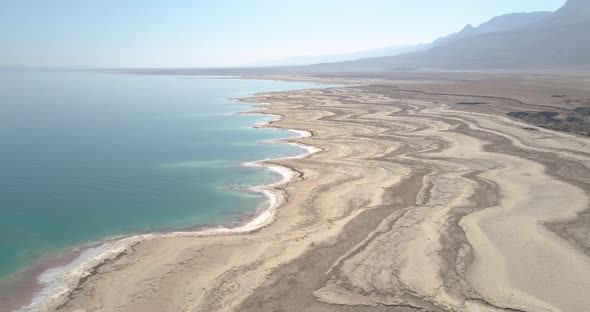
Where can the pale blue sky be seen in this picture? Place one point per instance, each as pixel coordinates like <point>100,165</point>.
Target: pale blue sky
<point>154,33</point>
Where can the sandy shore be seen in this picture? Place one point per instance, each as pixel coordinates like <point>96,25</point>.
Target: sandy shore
<point>56,280</point>
<point>416,202</point>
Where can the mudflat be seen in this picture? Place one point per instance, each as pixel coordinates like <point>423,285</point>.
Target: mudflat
<point>427,195</point>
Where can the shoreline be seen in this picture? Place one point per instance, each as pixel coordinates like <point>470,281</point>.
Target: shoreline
<point>54,284</point>
<point>418,203</point>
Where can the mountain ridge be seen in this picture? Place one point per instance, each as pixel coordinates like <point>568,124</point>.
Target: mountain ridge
<point>510,21</point>
<point>558,40</point>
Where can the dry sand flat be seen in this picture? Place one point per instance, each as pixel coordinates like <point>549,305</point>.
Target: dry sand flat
<point>414,204</point>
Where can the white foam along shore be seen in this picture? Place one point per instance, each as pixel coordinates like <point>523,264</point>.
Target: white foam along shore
<point>58,282</point>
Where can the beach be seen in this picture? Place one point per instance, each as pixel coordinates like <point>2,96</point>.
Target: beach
<point>102,182</point>
<point>57,282</point>
<point>417,194</point>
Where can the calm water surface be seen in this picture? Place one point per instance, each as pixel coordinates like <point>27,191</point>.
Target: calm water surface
<point>85,156</point>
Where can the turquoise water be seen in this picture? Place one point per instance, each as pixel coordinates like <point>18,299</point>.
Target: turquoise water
<point>85,156</point>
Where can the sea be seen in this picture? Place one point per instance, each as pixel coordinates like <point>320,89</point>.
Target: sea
<point>86,156</point>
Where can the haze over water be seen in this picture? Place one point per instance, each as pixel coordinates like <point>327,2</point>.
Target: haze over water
<point>86,156</point>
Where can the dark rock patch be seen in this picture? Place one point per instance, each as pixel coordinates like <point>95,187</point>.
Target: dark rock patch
<point>574,121</point>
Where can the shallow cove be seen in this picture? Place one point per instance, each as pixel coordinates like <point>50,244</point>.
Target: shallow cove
<point>87,156</point>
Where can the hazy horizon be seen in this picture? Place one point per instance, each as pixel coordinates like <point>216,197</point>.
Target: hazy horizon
<point>228,32</point>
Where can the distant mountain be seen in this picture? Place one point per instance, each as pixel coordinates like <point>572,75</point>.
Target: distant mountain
<point>315,59</point>
<point>574,12</point>
<point>516,41</point>
<point>501,23</point>
<point>497,24</point>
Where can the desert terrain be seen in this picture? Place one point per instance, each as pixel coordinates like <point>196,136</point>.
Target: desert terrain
<point>431,193</point>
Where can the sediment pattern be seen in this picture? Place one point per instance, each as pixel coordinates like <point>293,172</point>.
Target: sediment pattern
<point>412,205</point>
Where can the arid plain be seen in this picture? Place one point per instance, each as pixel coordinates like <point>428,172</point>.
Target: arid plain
<point>426,196</point>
